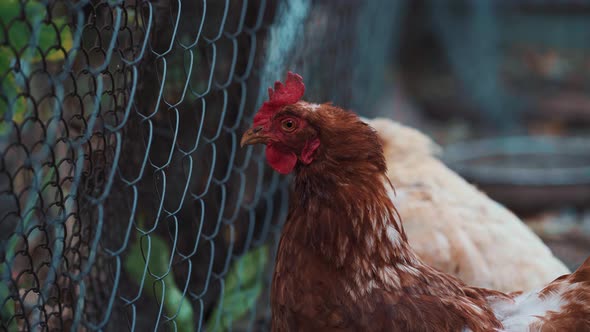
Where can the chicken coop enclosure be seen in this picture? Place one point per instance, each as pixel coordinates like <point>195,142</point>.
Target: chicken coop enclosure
<point>126,202</point>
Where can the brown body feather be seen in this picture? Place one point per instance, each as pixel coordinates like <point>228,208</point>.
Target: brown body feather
<point>574,315</point>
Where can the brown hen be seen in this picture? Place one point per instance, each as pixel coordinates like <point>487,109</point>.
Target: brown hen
<point>344,263</point>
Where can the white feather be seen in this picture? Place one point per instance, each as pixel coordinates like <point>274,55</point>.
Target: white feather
<point>525,309</point>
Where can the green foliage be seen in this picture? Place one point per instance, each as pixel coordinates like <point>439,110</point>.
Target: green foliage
<point>46,40</point>
<point>243,286</point>
<point>7,310</point>
<point>46,36</point>
<point>155,252</point>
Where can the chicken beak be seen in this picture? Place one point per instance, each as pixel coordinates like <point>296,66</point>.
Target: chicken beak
<point>254,135</point>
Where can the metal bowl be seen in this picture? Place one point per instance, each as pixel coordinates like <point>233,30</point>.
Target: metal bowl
<point>526,173</point>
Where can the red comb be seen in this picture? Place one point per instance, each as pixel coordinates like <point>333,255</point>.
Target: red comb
<point>283,94</point>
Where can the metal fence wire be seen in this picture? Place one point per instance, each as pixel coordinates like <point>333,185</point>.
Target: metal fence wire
<point>121,181</point>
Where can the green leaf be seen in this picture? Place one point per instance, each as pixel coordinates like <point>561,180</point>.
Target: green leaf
<point>54,40</point>
<point>7,310</point>
<point>50,37</point>
<point>8,10</point>
<point>243,286</point>
<point>6,57</point>
<point>48,40</point>
<point>158,263</point>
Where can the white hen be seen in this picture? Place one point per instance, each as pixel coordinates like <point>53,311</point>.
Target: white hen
<point>455,227</point>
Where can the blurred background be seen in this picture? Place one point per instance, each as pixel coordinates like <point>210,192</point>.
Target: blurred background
<point>125,202</point>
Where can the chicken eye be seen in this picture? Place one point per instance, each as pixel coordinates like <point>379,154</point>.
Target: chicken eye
<point>288,125</point>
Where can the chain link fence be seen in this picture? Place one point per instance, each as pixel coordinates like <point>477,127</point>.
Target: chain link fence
<point>125,202</point>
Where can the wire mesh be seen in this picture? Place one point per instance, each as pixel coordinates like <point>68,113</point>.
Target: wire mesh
<point>121,182</point>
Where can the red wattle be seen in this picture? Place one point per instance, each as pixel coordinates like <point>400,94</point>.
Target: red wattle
<point>281,161</point>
